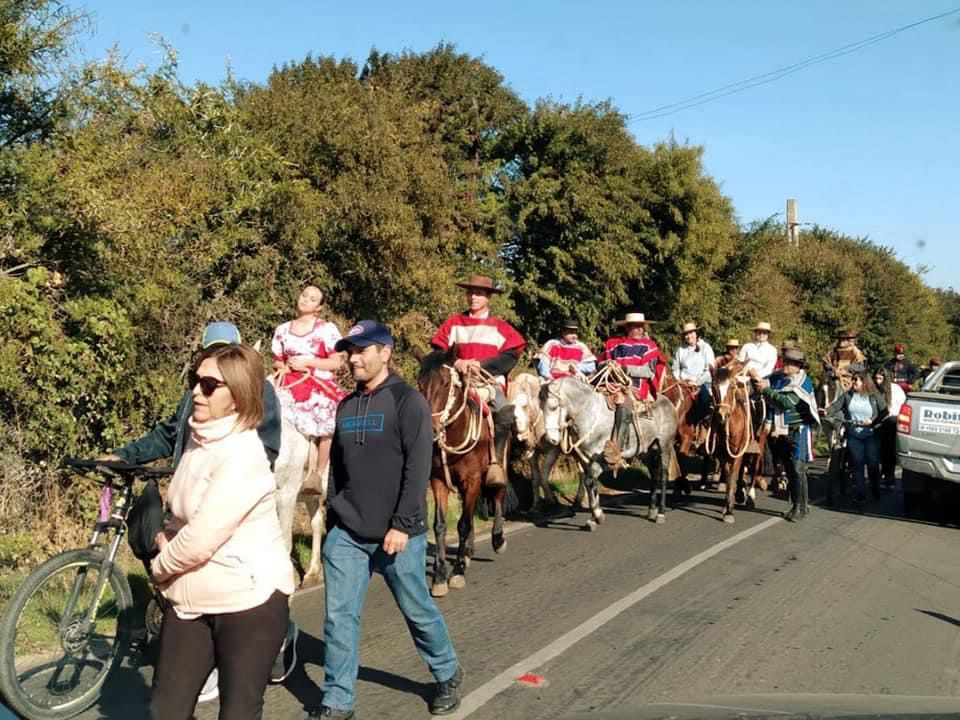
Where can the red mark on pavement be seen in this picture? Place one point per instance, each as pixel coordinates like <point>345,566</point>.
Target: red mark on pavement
<point>531,680</point>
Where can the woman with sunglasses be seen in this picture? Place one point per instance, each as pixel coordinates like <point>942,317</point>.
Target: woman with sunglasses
<point>223,565</point>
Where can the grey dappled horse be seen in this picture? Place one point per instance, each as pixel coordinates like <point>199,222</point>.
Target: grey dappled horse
<point>524,394</point>
<point>574,402</point>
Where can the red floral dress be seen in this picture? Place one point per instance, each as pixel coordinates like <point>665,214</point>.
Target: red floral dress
<point>308,399</point>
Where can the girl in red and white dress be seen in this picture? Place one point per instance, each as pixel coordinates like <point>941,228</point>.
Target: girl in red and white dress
<point>306,366</point>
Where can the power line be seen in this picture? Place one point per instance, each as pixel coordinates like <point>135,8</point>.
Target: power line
<point>779,73</point>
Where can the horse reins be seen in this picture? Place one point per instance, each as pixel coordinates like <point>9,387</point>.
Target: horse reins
<point>448,416</point>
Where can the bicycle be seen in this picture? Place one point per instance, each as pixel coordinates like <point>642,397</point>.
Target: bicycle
<point>71,621</point>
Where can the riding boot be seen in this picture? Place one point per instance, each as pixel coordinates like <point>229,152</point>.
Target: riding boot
<point>804,490</point>
<point>613,448</point>
<point>794,486</point>
<point>502,425</point>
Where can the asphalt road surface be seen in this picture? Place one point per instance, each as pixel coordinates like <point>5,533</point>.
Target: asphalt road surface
<point>843,609</point>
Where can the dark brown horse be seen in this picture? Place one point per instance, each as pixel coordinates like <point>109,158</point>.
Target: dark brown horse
<point>730,432</point>
<point>462,448</point>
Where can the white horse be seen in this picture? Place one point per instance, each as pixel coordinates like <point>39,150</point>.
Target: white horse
<point>294,481</point>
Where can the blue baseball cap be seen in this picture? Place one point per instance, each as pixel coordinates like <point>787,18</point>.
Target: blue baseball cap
<point>220,333</point>
<point>364,333</point>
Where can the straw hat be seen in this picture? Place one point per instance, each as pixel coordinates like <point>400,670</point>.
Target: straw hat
<point>479,282</point>
<point>690,327</point>
<point>763,327</point>
<point>733,342</point>
<point>634,318</point>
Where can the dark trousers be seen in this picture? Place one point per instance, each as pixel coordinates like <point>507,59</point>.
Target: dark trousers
<point>784,450</point>
<point>864,451</point>
<point>242,645</point>
<point>887,436</point>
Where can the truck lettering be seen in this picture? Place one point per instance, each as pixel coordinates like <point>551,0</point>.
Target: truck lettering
<point>942,415</point>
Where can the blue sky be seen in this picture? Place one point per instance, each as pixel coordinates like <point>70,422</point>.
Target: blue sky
<point>868,143</point>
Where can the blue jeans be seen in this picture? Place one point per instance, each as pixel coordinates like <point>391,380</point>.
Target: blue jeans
<point>864,451</point>
<point>348,565</point>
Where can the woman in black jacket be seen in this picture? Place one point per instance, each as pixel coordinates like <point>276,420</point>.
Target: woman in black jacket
<point>862,410</point>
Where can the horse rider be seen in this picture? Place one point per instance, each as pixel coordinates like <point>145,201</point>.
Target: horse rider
<point>903,372</point>
<point>692,363</point>
<point>483,341</point>
<point>760,354</point>
<point>793,415</point>
<point>637,353</point>
<point>837,362</point>
<point>566,355</point>
<point>732,350</point>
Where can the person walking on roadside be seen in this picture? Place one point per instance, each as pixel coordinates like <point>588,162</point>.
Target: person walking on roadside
<point>863,410</point>
<point>894,397</point>
<point>792,413</point>
<point>222,564</point>
<point>170,438</point>
<point>381,458</point>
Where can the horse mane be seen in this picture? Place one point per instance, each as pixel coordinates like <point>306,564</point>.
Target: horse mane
<point>434,361</point>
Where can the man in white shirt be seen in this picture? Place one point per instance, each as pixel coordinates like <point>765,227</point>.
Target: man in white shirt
<point>692,363</point>
<point>759,354</point>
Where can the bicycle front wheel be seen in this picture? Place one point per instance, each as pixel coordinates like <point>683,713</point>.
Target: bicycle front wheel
<point>62,634</point>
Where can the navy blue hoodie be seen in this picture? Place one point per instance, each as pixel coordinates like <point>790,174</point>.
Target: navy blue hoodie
<point>380,461</point>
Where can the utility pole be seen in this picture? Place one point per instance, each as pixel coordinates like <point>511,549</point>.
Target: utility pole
<point>793,225</point>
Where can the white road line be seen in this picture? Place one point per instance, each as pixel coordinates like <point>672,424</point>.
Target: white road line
<point>486,692</point>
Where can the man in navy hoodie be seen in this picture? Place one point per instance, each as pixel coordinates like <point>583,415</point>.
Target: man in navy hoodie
<point>380,463</point>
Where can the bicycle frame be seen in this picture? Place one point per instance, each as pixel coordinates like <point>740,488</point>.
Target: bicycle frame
<point>116,521</point>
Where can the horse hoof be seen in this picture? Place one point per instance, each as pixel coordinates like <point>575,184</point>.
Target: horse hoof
<point>661,519</point>
<point>598,516</point>
<point>741,497</point>
<point>439,590</point>
<point>590,526</point>
<point>762,483</point>
<point>750,503</point>
<point>729,518</point>
<point>309,581</point>
<point>652,515</point>
<point>458,582</point>
<point>500,548</point>
<point>721,487</point>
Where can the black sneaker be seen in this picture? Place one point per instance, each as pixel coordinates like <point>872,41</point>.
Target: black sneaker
<point>286,659</point>
<point>328,713</point>
<point>447,697</point>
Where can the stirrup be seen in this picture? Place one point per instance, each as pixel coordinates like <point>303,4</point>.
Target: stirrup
<point>495,477</point>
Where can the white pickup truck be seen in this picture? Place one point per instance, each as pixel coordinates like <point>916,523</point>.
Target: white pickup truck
<point>928,437</point>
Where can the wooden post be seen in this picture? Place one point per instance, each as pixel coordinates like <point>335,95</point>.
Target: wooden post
<point>793,225</point>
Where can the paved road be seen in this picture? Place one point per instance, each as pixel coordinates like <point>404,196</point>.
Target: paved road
<point>637,613</point>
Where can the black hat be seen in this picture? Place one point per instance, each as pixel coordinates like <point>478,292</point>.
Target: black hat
<point>570,324</point>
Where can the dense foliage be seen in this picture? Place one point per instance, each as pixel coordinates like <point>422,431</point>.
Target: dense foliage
<point>134,209</point>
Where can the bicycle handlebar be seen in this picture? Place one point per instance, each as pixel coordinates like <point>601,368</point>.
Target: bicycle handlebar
<point>111,468</point>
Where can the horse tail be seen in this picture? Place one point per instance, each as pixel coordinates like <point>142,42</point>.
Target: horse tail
<point>674,464</point>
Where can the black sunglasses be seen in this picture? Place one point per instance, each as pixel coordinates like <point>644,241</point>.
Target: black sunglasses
<point>208,384</point>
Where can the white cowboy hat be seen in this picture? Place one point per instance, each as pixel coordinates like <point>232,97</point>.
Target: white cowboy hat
<point>634,318</point>
<point>690,327</point>
<point>763,327</point>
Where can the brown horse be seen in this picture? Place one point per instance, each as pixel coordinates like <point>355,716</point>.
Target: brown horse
<point>730,432</point>
<point>463,443</point>
<point>689,434</point>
